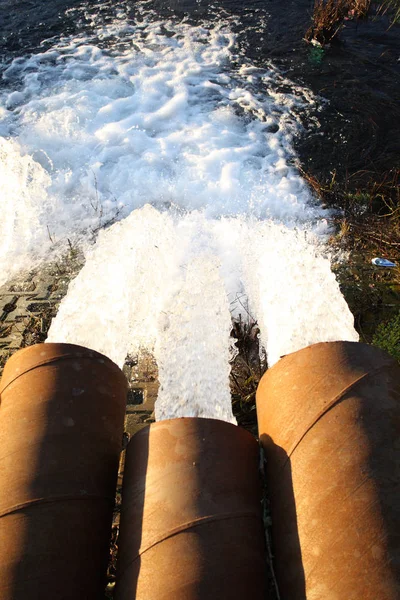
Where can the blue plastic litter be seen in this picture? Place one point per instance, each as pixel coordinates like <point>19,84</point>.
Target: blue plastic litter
<point>383,262</point>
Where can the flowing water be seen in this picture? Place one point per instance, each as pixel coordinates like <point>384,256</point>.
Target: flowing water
<point>157,148</point>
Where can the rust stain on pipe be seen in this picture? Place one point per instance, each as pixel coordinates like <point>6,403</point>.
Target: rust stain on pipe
<point>329,421</point>
<point>61,424</point>
<point>191,525</point>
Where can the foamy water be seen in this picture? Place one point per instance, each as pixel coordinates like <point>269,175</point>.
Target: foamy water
<point>167,130</point>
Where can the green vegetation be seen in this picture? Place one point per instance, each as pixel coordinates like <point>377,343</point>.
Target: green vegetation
<point>387,336</point>
<point>367,224</point>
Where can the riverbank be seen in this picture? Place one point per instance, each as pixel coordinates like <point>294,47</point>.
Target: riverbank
<point>352,160</point>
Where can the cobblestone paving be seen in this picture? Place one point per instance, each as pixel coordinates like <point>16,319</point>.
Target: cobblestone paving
<point>29,303</point>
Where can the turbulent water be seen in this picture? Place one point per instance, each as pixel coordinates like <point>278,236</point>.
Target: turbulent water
<point>165,155</point>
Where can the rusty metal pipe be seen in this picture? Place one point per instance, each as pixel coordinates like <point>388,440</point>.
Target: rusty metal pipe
<point>61,424</point>
<point>329,421</point>
<point>191,525</point>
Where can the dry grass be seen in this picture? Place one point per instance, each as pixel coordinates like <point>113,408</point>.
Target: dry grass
<point>360,8</point>
<point>367,225</point>
<point>246,371</point>
<point>370,218</point>
<point>329,16</point>
<point>327,20</point>
<point>392,7</point>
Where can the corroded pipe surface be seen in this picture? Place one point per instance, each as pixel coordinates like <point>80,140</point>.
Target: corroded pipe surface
<point>61,425</point>
<point>329,421</point>
<point>191,526</point>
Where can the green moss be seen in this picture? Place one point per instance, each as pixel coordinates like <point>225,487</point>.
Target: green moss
<point>387,336</point>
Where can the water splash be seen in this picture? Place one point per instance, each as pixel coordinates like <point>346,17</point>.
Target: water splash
<point>170,283</point>
<point>103,125</point>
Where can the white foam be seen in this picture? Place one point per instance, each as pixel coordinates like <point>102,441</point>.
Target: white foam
<point>169,115</point>
<point>24,206</point>
<point>170,283</point>
<point>292,290</point>
<point>163,120</point>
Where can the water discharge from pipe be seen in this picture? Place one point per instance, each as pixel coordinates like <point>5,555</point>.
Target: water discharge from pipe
<point>162,137</point>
